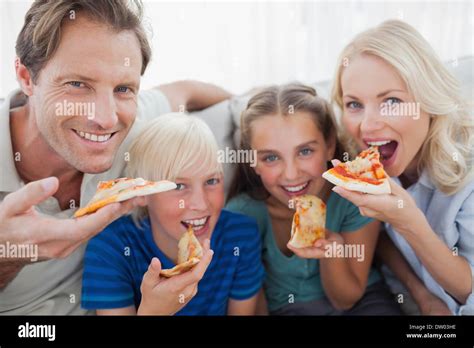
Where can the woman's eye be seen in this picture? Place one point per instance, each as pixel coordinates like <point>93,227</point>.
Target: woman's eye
<point>306,152</point>
<point>353,105</point>
<point>270,158</point>
<point>392,100</point>
<point>122,89</point>
<point>76,84</point>
<point>179,187</point>
<point>213,181</point>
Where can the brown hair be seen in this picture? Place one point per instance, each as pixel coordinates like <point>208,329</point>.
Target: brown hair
<point>282,100</point>
<point>39,38</point>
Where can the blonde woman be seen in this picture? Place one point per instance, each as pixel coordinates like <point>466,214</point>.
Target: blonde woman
<point>122,264</point>
<point>394,92</point>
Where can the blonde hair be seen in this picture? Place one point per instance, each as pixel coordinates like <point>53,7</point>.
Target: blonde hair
<point>170,145</point>
<point>447,151</point>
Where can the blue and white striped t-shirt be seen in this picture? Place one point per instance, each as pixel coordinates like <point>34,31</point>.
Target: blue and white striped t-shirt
<point>117,258</point>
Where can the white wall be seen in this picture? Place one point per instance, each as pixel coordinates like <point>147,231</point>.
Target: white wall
<point>243,44</point>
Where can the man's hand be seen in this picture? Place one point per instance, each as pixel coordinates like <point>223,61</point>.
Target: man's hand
<point>21,224</point>
<point>166,296</point>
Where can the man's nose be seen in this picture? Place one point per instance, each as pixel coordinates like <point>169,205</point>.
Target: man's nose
<point>105,111</point>
<point>372,120</point>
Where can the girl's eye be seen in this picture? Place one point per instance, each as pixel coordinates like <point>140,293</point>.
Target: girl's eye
<point>392,100</point>
<point>306,152</point>
<point>353,105</point>
<point>76,84</point>
<point>122,89</point>
<point>179,187</point>
<point>213,181</point>
<point>270,158</point>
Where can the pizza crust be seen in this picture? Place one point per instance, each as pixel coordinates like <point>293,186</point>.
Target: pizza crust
<point>360,186</point>
<point>122,189</point>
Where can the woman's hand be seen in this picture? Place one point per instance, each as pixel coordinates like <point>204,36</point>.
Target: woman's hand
<point>397,208</point>
<point>166,296</point>
<point>318,251</point>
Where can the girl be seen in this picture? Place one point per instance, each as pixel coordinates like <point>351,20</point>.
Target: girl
<point>294,134</point>
<point>182,149</point>
<point>394,92</point>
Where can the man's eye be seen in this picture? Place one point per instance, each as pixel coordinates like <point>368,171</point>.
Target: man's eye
<point>122,89</point>
<point>76,84</point>
<point>353,105</point>
<point>306,152</point>
<point>213,181</point>
<point>270,158</point>
<point>179,187</point>
<point>392,100</point>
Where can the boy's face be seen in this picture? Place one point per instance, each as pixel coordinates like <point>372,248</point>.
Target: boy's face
<point>197,201</point>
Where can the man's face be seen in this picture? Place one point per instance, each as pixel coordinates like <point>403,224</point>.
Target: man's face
<point>85,98</point>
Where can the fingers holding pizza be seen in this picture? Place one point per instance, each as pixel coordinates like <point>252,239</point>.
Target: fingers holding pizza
<point>364,182</point>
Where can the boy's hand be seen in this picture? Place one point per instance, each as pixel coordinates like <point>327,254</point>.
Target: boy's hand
<point>166,296</point>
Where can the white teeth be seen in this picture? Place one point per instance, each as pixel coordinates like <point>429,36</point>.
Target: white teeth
<point>295,188</point>
<point>197,222</point>
<point>94,137</point>
<point>378,143</point>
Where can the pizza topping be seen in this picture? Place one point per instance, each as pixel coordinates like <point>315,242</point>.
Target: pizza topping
<point>308,222</point>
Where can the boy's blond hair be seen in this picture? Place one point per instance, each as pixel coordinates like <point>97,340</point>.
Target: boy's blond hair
<point>170,145</point>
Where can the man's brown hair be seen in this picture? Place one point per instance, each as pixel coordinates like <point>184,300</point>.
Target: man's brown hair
<point>39,38</point>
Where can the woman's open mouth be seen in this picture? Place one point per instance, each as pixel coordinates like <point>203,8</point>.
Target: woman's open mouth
<point>387,150</point>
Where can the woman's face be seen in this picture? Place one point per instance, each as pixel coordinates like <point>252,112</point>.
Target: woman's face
<point>291,155</point>
<point>378,110</point>
<point>197,201</point>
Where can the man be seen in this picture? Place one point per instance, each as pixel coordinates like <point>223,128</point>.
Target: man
<point>79,65</point>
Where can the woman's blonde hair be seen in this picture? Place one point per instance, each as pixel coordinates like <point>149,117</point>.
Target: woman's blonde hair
<point>447,151</point>
<point>168,146</point>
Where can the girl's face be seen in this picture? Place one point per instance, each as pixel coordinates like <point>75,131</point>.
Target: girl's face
<point>291,155</point>
<point>197,201</point>
<point>378,110</point>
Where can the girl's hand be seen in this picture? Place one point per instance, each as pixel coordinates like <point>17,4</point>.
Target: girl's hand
<point>397,208</point>
<point>166,296</point>
<point>318,251</point>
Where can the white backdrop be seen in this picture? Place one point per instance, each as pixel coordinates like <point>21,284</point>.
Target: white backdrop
<point>239,45</point>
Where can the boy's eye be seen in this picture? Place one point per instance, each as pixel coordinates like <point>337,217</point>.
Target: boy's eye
<point>392,100</point>
<point>353,105</point>
<point>213,181</point>
<point>270,158</point>
<point>179,187</point>
<point>306,152</point>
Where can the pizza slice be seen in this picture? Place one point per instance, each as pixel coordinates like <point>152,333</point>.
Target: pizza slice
<point>308,222</point>
<point>364,174</point>
<point>189,254</point>
<point>122,189</point>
